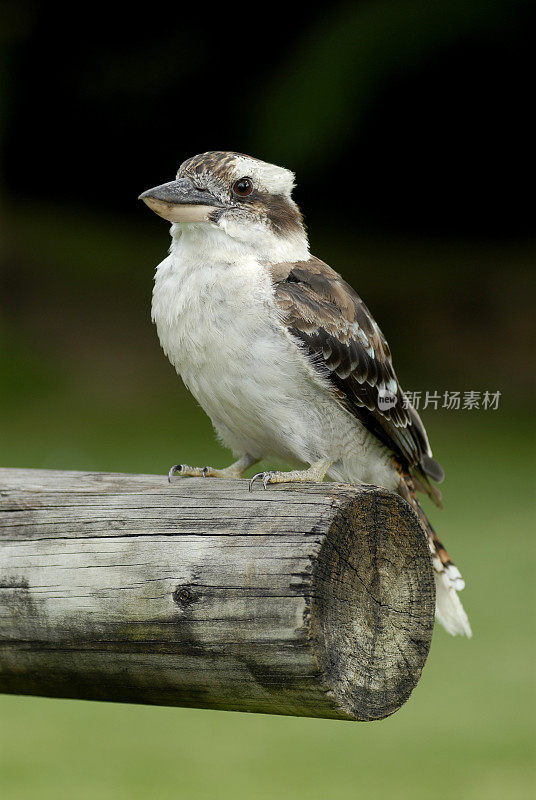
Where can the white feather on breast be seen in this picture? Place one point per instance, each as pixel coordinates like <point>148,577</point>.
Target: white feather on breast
<point>219,327</point>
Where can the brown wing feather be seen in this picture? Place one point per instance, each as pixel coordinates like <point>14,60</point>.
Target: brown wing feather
<point>343,340</point>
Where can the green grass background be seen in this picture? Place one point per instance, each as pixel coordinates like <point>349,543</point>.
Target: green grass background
<point>85,386</point>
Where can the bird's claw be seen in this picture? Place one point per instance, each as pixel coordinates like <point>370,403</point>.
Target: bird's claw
<point>193,472</point>
<point>264,476</point>
<point>176,469</point>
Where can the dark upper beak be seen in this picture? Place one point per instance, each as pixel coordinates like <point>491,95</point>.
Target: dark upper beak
<point>180,201</point>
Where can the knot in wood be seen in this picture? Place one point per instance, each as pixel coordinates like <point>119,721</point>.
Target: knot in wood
<point>184,596</point>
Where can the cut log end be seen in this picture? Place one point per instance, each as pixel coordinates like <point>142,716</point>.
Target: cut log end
<point>372,612</point>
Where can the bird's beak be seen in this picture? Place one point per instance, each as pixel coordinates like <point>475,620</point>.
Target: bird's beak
<point>180,201</point>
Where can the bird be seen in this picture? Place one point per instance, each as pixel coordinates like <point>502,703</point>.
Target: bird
<point>279,350</point>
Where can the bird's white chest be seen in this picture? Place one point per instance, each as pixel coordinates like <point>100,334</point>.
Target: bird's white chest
<point>204,313</point>
<point>218,326</point>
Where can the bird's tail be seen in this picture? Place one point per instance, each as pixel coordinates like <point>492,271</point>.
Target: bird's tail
<point>448,580</point>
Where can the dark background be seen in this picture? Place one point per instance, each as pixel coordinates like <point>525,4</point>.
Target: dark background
<point>407,125</point>
<point>421,135</point>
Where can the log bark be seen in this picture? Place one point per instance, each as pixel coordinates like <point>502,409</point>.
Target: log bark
<point>312,600</point>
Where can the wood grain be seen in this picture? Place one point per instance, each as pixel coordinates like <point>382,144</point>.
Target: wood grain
<point>313,600</point>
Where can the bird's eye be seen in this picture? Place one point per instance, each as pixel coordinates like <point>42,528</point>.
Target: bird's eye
<point>242,187</point>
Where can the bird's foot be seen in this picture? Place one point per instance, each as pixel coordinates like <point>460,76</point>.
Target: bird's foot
<point>314,474</point>
<point>185,471</point>
<point>232,471</point>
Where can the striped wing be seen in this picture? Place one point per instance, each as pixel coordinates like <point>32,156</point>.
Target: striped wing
<point>346,345</point>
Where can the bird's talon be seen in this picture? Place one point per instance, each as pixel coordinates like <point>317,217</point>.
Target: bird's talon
<point>176,468</point>
<point>264,476</point>
<point>253,479</point>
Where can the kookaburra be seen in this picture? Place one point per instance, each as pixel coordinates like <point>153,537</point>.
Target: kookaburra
<point>279,350</point>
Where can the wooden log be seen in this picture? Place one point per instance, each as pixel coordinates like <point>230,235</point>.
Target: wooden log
<point>312,600</point>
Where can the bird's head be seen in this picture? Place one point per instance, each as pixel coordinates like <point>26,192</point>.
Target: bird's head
<point>247,199</point>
